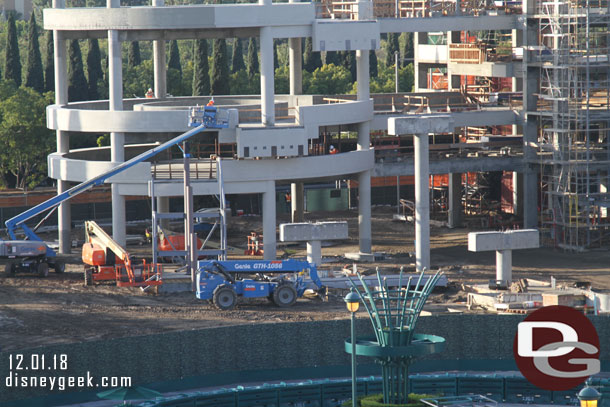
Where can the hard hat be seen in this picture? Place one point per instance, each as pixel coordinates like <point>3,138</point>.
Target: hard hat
<point>332,147</point>
<point>150,89</point>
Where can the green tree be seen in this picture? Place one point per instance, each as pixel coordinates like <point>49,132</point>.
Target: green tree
<point>201,71</point>
<point>241,84</point>
<point>373,64</point>
<point>276,62</point>
<point>219,75</point>
<point>252,59</point>
<point>137,80</point>
<point>348,59</point>
<point>133,54</point>
<point>49,67</point>
<point>77,83</point>
<point>407,48</point>
<point>329,80</point>
<point>311,60</point>
<point>174,56</point>
<point>12,62</point>
<point>237,58</point>
<point>94,69</point>
<point>34,76</point>
<point>25,140</point>
<point>390,48</point>
<point>282,80</point>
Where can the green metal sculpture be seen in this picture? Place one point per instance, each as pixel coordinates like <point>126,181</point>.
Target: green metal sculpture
<point>394,313</point>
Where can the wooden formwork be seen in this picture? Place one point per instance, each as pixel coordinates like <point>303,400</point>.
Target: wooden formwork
<point>466,53</point>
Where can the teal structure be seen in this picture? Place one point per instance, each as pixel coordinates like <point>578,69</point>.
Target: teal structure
<point>394,314</point>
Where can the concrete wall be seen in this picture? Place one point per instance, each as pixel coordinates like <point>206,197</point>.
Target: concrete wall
<point>278,347</point>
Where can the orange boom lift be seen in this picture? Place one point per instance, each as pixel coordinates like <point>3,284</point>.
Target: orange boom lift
<point>106,260</point>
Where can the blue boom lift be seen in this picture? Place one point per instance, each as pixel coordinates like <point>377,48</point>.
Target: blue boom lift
<point>281,281</point>
<point>33,254</point>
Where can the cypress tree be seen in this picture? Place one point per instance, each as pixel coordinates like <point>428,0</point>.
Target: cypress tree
<point>311,60</point>
<point>237,58</point>
<point>373,72</point>
<point>349,62</point>
<point>391,47</point>
<point>219,76</point>
<point>332,57</point>
<point>174,56</point>
<point>408,49</point>
<point>77,83</point>
<point>12,63</point>
<point>133,55</point>
<point>49,68</point>
<point>252,59</point>
<point>201,72</point>
<point>94,68</point>
<point>34,76</point>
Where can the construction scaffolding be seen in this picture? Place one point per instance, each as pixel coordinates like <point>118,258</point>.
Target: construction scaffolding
<point>573,105</point>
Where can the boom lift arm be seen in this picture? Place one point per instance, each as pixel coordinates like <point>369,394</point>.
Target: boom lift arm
<point>19,220</point>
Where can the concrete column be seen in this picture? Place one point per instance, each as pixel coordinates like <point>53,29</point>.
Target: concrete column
<point>117,140</point>
<point>422,202</point>
<point>295,56</point>
<point>63,139</point>
<point>314,252</point>
<point>364,141</point>
<point>163,207</point>
<point>455,200</point>
<point>453,81</point>
<point>504,266</point>
<point>517,194</point>
<point>269,239</point>
<point>531,76</point>
<point>297,201</point>
<point>267,73</point>
<point>160,69</point>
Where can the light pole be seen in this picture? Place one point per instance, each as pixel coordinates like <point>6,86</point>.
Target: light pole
<point>588,396</point>
<point>352,301</point>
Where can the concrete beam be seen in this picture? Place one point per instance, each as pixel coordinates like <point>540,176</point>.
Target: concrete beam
<point>313,234</point>
<point>503,243</point>
<point>448,23</point>
<point>303,232</point>
<point>420,125</point>
<point>509,240</point>
<point>494,69</point>
<point>450,165</point>
<point>179,18</point>
<point>345,35</point>
<point>489,117</point>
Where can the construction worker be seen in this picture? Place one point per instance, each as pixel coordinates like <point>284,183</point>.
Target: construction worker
<point>211,102</point>
<point>150,94</point>
<point>332,150</point>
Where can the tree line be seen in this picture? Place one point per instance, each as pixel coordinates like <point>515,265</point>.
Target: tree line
<point>194,68</point>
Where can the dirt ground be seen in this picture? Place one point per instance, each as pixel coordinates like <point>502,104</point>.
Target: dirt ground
<point>60,309</point>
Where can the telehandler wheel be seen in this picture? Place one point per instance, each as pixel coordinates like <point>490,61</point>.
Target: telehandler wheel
<point>285,295</point>
<point>225,297</point>
<point>10,268</point>
<point>59,267</point>
<point>43,269</point>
